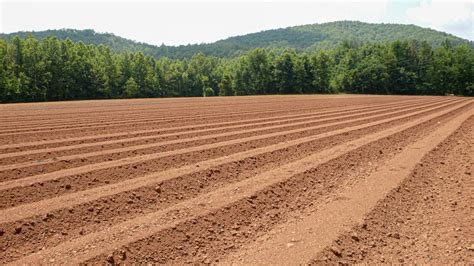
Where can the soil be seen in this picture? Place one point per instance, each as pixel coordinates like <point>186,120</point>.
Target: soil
<point>240,180</point>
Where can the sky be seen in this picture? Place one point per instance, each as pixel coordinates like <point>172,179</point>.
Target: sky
<point>183,22</point>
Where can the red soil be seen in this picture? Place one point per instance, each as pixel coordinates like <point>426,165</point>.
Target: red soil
<point>245,180</point>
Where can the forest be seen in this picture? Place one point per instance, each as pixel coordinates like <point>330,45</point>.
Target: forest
<point>50,69</point>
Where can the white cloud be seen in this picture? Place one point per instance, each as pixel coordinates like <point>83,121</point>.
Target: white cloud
<point>453,16</point>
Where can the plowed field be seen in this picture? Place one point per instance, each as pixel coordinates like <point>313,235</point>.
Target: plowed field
<point>238,180</point>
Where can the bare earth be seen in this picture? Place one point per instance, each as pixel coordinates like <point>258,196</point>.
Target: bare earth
<point>238,180</point>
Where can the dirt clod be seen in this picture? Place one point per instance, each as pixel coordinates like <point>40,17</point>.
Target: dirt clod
<point>123,254</point>
<point>17,230</point>
<point>355,237</point>
<point>336,251</point>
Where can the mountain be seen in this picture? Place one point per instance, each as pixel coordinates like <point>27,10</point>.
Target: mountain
<point>301,38</point>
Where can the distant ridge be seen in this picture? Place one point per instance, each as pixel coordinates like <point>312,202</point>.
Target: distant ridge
<point>302,38</point>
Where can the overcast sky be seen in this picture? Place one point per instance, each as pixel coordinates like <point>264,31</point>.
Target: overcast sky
<point>183,22</point>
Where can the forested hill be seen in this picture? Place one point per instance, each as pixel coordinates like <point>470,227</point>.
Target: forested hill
<point>116,43</point>
<point>301,38</point>
<point>314,36</point>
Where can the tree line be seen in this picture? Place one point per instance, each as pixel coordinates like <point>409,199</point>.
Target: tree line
<point>51,69</point>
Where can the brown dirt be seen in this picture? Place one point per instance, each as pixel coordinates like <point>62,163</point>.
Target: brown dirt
<point>205,180</point>
<point>427,219</point>
<point>183,114</point>
<point>14,155</point>
<point>52,184</point>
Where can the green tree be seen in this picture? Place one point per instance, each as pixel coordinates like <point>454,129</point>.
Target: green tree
<point>443,74</point>
<point>370,76</point>
<point>404,77</point>
<point>285,73</point>
<point>464,70</point>
<point>208,92</point>
<point>254,73</point>
<point>225,85</point>
<point>131,89</point>
<point>304,74</point>
<point>321,63</point>
<point>342,77</point>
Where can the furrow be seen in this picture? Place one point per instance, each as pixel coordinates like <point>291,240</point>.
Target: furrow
<point>128,108</point>
<point>179,104</point>
<point>182,130</point>
<point>159,104</point>
<point>112,117</point>
<point>189,112</point>
<point>73,199</point>
<point>437,197</point>
<point>127,121</point>
<point>96,244</point>
<point>74,183</point>
<point>141,118</point>
<point>26,181</point>
<point>179,128</point>
<point>9,132</point>
<point>41,232</point>
<point>328,221</point>
<point>156,143</point>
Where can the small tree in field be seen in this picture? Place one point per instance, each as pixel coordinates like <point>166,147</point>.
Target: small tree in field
<point>208,92</point>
